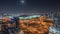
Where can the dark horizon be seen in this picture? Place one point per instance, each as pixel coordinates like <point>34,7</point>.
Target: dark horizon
<point>32,6</point>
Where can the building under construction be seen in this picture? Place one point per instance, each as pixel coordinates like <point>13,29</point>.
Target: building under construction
<point>30,24</point>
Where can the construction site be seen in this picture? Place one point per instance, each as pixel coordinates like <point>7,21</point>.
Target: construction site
<point>43,23</point>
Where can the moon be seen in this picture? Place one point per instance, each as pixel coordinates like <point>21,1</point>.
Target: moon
<point>22,1</point>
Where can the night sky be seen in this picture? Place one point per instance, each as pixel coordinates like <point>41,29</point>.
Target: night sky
<point>28,6</point>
